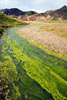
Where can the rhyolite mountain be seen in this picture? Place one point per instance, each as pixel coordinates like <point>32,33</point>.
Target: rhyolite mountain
<point>56,14</point>
<point>60,12</point>
<point>32,15</point>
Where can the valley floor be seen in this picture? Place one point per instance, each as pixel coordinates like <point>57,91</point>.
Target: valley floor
<point>30,72</point>
<point>50,35</point>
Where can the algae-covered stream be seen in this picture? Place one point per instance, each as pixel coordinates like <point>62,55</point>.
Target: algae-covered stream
<point>33,73</point>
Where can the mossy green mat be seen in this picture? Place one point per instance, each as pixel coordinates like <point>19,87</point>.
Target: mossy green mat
<point>34,74</point>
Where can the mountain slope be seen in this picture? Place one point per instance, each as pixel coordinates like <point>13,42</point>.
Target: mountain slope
<point>59,14</point>
<point>5,20</point>
<point>13,11</point>
<point>16,12</point>
<point>62,12</point>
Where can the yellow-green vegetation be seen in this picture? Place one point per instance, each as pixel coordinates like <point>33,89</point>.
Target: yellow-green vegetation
<point>59,28</point>
<point>56,17</point>
<point>46,36</point>
<point>59,55</point>
<point>1,30</point>
<point>8,21</point>
<point>34,74</point>
<point>65,17</point>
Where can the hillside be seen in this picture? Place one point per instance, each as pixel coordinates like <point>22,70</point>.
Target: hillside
<point>16,12</point>
<point>5,20</point>
<point>13,11</point>
<point>62,12</point>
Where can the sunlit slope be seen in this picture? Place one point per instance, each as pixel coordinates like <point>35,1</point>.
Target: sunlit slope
<point>5,20</point>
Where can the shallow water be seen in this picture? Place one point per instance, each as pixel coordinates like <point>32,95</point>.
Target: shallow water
<point>35,75</point>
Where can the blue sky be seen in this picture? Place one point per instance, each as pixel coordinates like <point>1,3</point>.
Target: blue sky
<point>36,5</point>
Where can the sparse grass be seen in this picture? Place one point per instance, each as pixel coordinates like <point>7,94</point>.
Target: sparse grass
<point>57,28</point>
<point>49,35</point>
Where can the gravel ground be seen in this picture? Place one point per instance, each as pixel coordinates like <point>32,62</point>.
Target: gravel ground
<point>48,40</point>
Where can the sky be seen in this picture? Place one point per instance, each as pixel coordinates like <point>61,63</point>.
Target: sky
<point>35,5</point>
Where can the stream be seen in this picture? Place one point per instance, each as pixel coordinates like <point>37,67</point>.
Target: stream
<point>33,73</point>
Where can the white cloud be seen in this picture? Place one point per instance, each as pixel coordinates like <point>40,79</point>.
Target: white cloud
<point>37,5</point>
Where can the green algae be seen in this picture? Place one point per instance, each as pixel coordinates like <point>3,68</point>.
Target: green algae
<point>34,73</point>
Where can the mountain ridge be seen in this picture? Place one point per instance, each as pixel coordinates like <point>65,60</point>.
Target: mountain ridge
<point>16,12</point>
<point>60,13</point>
